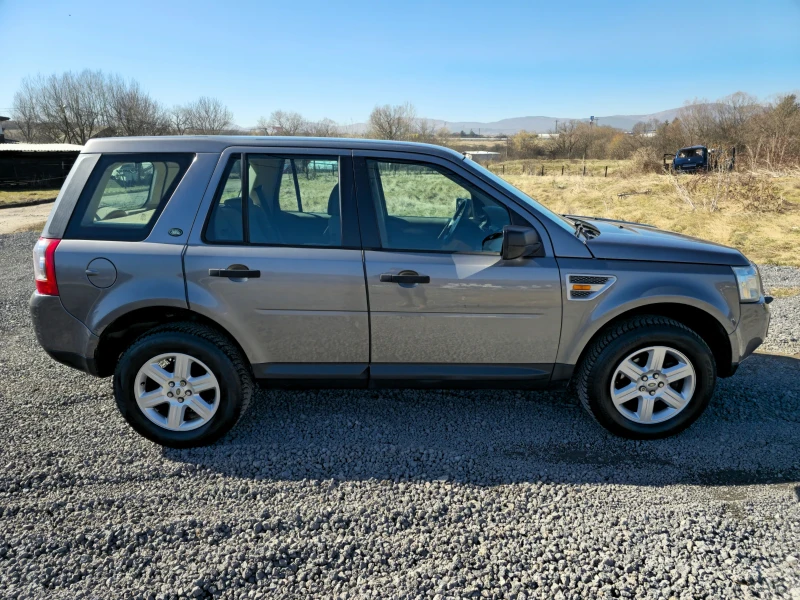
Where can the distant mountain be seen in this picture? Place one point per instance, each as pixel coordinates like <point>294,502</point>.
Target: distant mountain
<point>534,124</point>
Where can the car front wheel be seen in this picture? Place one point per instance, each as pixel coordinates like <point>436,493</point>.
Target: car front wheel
<point>647,377</point>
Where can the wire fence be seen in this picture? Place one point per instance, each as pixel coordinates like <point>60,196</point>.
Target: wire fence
<point>541,169</point>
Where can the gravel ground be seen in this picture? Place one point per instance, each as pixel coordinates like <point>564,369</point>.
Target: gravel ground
<point>784,336</point>
<point>394,494</point>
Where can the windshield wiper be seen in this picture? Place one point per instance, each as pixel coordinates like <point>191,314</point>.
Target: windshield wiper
<point>584,228</point>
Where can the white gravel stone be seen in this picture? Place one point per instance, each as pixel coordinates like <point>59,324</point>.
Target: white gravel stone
<point>394,494</point>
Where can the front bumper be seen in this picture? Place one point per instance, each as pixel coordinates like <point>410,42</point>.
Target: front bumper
<point>751,331</point>
<point>62,336</point>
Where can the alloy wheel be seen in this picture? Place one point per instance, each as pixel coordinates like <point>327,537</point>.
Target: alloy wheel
<point>177,391</point>
<point>653,385</point>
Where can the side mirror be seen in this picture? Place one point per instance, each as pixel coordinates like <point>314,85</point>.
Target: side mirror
<point>520,241</point>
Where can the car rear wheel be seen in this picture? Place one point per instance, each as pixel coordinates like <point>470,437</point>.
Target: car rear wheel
<point>648,377</point>
<point>182,385</point>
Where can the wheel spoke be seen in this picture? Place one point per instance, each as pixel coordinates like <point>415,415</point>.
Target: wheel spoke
<point>175,415</point>
<point>645,412</point>
<point>151,399</point>
<point>678,372</point>
<point>155,372</point>
<point>672,398</point>
<point>631,370</point>
<point>182,362</point>
<point>623,395</point>
<point>198,405</point>
<point>655,359</point>
<point>202,383</point>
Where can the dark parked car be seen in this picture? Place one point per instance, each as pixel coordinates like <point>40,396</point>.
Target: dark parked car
<point>697,159</point>
<point>356,263</point>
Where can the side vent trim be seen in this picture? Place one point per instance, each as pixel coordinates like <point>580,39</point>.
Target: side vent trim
<point>583,287</point>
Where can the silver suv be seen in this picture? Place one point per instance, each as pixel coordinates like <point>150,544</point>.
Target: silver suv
<point>356,263</point>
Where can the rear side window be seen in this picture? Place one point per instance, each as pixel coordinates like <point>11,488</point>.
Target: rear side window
<point>125,195</point>
<point>291,201</point>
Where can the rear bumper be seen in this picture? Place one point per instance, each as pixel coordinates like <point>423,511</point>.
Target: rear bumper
<point>62,336</point>
<point>751,331</point>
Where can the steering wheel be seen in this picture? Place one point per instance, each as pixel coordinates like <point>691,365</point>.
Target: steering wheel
<point>449,230</point>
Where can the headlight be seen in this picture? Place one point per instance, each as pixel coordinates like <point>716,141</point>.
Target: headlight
<point>749,283</point>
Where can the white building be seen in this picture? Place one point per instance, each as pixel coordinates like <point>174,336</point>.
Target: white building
<point>482,156</point>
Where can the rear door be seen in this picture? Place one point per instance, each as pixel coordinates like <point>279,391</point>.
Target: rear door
<point>444,305</point>
<point>299,306</point>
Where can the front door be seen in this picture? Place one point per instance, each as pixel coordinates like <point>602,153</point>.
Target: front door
<point>444,305</point>
<point>282,270</point>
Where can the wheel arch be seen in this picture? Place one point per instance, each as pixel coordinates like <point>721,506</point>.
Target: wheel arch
<point>702,322</point>
<point>121,333</point>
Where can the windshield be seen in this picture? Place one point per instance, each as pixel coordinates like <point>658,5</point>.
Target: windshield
<point>690,153</point>
<point>517,193</point>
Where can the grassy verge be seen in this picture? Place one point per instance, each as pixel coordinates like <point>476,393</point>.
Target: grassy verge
<point>757,213</point>
<point>26,195</point>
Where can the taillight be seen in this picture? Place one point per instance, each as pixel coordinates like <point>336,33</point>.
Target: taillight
<point>44,266</point>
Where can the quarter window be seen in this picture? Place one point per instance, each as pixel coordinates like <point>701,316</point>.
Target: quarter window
<point>425,207</point>
<point>125,194</point>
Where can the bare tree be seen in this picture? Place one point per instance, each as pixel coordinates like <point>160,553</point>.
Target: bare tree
<point>130,111</point>
<point>80,100</point>
<point>732,115</point>
<point>208,116</point>
<point>324,128</point>
<point>284,122</point>
<point>564,144</point>
<point>70,107</point>
<point>263,127</point>
<point>389,122</point>
<point>697,122</point>
<point>179,119</point>
<point>774,134</point>
<point>424,130</point>
<point>26,113</point>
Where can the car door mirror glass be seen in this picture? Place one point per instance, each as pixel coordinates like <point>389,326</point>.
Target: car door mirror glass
<point>520,242</point>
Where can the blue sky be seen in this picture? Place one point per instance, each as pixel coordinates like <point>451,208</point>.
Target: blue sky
<point>465,60</point>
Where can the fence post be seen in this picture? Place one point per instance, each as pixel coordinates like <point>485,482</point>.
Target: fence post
<point>562,169</point>
<point>606,175</point>
<point>504,169</point>
<point>542,170</point>
<point>584,170</point>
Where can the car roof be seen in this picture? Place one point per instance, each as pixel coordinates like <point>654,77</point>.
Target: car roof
<point>693,148</point>
<point>218,143</point>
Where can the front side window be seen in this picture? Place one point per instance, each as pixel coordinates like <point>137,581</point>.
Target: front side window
<point>125,194</point>
<point>426,207</point>
<point>291,201</point>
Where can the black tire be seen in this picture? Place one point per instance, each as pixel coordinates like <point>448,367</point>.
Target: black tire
<point>613,345</point>
<point>209,346</point>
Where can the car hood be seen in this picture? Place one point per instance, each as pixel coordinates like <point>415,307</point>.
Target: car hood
<point>622,240</point>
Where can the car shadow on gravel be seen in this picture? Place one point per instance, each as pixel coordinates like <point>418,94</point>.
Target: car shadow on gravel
<point>749,435</point>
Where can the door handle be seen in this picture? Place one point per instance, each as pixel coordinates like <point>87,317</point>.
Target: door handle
<point>405,278</point>
<point>234,273</point>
